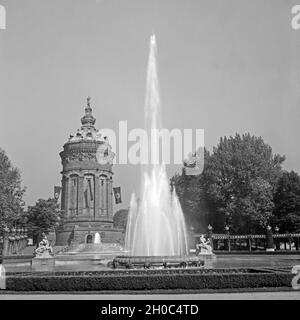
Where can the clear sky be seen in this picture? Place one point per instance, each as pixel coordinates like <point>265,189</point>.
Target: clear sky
<point>225,66</point>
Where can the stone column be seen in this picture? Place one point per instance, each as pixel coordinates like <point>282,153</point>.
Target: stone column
<point>103,195</point>
<point>80,194</point>
<point>66,195</point>
<point>97,196</point>
<point>69,181</point>
<point>74,190</point>
<point>109,198</point>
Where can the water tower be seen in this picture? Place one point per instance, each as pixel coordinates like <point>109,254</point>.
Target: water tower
<point>87,180</point>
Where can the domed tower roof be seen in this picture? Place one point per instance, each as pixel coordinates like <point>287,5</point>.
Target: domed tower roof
<point>87,149</point>
<point>88,120</point>
<point>87,132</point>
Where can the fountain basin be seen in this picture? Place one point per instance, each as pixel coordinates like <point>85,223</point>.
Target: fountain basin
<point>148,262</point>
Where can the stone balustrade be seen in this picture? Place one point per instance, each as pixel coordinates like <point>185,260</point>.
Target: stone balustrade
<point>13,241</point>
<point>269,241</point>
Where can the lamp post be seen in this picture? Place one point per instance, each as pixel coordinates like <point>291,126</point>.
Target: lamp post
<point>192,237</point>
<point>26,236</point>
<point>269,238</point>
<point>277,242</point>
<point>228,246</point>
<point>5,241</point>
<point>210,228</point>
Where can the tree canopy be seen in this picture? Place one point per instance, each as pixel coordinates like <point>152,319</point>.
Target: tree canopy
<point>236,187</point>
<point>120,218</point>
<point>43,216</point>
<point>287,203</point>
<point>11,193</point>
<point>240,177</point>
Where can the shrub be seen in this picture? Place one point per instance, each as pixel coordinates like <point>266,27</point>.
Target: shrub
<point>147,281</point>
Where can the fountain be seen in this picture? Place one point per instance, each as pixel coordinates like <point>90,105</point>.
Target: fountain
<point>156,228</point>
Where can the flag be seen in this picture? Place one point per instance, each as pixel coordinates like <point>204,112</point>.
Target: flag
<point>117,193</point>
<point>57,191</point>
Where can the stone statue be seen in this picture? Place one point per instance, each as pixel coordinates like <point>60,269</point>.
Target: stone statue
<point>104,154</point>
<point>194,164</point>
<point>44,249</point>
<point>204,247</point>
<point>2,277</point>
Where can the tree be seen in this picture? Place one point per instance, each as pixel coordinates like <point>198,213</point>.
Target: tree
<point>120,218</point>
<point>11,193</point>
<point>287,203</point>
<point>240,177</point>
<point>43,217</point>
<point>192,196</point>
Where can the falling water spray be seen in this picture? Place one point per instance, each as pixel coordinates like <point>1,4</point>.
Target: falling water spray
<point>155,225</point>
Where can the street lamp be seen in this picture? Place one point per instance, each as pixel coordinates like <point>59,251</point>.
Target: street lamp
<point>227,241</point>
<point>269,239</point>
<point>277,242</point>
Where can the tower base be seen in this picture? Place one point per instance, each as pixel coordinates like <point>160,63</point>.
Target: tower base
<point>78,232</point>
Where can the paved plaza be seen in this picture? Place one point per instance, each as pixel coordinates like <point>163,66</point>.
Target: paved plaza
<point>288,295</point>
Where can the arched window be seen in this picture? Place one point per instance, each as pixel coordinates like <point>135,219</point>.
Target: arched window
<point>89,239</point>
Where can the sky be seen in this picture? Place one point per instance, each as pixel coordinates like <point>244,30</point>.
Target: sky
<point>225,66</point>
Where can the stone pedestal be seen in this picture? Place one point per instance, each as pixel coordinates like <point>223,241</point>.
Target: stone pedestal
<point>208,258</point>
<point>2,278</point>
<point>45,263</point>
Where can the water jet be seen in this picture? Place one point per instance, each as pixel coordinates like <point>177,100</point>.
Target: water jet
<point>156,233</point>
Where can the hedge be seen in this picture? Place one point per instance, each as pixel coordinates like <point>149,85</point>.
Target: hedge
<point>140,271</point>
<point>147,281</point>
